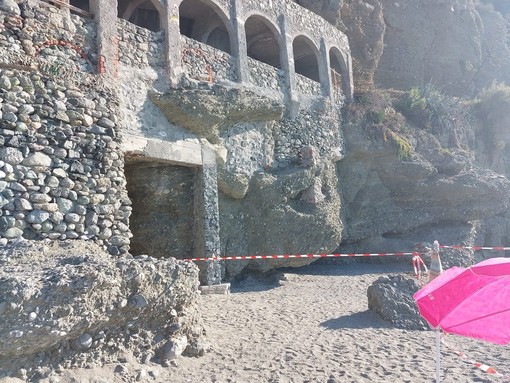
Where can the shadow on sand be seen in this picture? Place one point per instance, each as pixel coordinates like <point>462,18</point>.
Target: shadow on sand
<point>354,269</point>
<point>359,320</point>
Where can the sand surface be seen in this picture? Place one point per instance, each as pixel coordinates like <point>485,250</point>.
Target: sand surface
<point>314,327</point>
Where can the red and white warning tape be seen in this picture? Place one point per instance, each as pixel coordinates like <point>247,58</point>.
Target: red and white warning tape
<point>287,256</point>
<point>484,367</point>
<point>476,248</point>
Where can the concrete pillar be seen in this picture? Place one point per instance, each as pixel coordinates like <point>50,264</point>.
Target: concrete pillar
<point>207,221</point>
<point>324,71</point>
<point>173,41</point>
<point>287,61</point>
<point>105,15</point>
<point>238,48</point>
<point>348,79</point>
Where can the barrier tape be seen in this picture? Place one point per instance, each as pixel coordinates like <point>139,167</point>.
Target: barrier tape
<point>476,248</point>
<point>288,256</point>
<point>398,254</point>
<point>482,366</point>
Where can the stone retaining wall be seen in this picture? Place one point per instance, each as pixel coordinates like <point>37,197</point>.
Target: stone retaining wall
<point>139,47</point>
<point>50,41</point>
<point>205,63</point>
<point>61,171</point>
<point>308,86</point>
<point>266,76</point>
<point>309,128</point>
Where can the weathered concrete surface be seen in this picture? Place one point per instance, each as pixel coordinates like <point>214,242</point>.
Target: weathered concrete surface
<point>71,303</point>
<point>206,110</point>
<point>182,152</point>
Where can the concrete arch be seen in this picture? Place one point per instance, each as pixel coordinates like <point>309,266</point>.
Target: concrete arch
<point>215,29</point>
<point>338,64</point>
<point>263,39</point>
<point>128,9</point>
<point>307,58</point>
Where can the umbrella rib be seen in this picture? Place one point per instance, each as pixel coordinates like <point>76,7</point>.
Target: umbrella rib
<point>480,317</point>
<point>470,295</point>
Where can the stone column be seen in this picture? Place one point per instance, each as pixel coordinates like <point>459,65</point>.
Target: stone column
<point>239,49</point>
<point>173,41</point>
<point>207,222</point>
<point>105,15</point>
<point>287,61</point>
<point>324,71</point>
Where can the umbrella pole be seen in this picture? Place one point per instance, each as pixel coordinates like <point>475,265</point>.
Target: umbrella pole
<point>438,354</point>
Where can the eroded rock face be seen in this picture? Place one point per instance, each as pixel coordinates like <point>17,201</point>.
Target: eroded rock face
<point>71,303</point>
<point>365,27</point>
<point>437,189</point>
<point>283,213</point>
<point>438,42</point>
<point>456,45</point>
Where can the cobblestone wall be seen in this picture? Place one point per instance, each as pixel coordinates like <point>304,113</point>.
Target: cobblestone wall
<point>139,47</point>
<point>61,171</point>
<point>308,86</point>
<point>205,63</point>
<point>266,76</point>
<point>48,40</point>
<point>308,129</point>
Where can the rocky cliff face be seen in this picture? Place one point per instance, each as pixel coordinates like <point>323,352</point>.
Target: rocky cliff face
<point>409,183</point>
<point>452,184</point>
<point>458,46</point>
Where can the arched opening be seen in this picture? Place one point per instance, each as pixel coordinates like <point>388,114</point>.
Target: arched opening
<point>262,41</point>
<point>339,72</point>
<point>202,22</point>
<point>143,13</point>
<point>305,58</point>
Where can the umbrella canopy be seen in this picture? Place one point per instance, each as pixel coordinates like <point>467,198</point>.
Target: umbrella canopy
<point>473,302</point>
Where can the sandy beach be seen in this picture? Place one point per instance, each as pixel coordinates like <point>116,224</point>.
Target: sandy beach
<point>312,326</point>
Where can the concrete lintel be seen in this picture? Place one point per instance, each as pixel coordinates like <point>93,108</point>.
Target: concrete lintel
<point>222,289</point>
<point>187,153</point>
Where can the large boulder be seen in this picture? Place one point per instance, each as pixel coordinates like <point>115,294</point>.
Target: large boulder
<point>392,298</point>
<point>71,304</point>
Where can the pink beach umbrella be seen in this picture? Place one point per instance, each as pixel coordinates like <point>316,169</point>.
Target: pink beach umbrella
<point>472,302</point>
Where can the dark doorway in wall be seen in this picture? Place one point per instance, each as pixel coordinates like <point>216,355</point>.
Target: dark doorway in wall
<point>141,13</point>
<point>305,58</point>
<point>262,41</point>
<point>203,21</point>
<point>162,201</point>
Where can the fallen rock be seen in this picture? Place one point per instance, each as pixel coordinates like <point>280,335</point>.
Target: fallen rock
<point>392,298</point>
